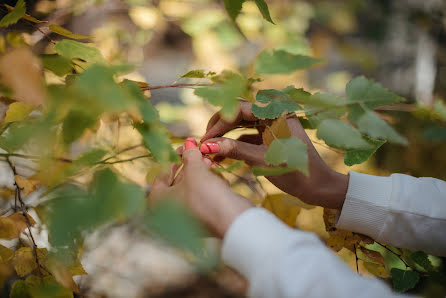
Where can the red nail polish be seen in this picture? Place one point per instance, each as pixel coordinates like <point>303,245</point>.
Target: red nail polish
<point>190,143</point>
<point>209,148</point>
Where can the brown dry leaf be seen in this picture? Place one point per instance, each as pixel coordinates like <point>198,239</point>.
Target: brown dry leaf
<point>21,71</point>
<point>8,229</point>
<point>278,129</point>
<point>27,184</point>
<point>20,220</point>
<point>376,269</point>
<point>282,208</point>
<point>373,255</point>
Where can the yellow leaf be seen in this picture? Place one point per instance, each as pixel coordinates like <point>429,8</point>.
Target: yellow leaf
<point>76,268</point>
<point>62,275</point>
<point>376,269</point>
<point>278,130</point>
<point>6,254</point>
<point>8,229</point>
<point>2,44</point>
<point>21,71</point>
<point>28,185</point>
<point>20,220</point>
<point>67,33</point>
<point>17,111</point>
<point>282,209</point>
<point>24,261</point>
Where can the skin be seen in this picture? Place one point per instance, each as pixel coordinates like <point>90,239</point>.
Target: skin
<point>211,199</point>
<point>323,187</point>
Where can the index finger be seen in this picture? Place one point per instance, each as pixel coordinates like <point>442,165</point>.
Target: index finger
<point>222,126</point>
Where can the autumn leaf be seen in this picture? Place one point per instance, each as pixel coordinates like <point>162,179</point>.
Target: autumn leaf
<point>17,111</point>
<point>283,209</point>
<point>24,261</point>
<point>20,221</point>
<point>6,254</point>
<point>278,129</point>
<point>21,70</point>
<point>8,229</point>
<point>27,184</point>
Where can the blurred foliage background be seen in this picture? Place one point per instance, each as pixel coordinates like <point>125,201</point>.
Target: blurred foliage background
<point>399,43</point>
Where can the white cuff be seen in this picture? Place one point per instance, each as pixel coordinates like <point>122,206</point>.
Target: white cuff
<point>257,237</point>
<point>366,204</point>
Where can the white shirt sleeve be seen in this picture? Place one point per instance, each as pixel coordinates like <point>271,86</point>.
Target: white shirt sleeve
<point>281,262</point>
<point>399,210</point>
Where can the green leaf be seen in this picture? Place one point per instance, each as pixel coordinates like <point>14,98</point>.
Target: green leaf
<point>148,112</point>
<point>58,64</point>
<point>358,156</point>
<point>17,111</point>
<point>422,259</point>
<point>290,151</point>
<point>15,15</point>
<point>67,33</point>
<point>282,62</point>
<point>18,134</point>
<point>97,84</point>
<point>155,138</point>
<point>273,104</point>
<point>375,127</point>
<point>339,134</point>
<point>72,49</point>
<point>224,95</point>
<point>372,94</point>
<point>440,108</point>
<point>175,224</point>
<point>263,7</point>
<point>198,74</point>
<point>233,7</point>
<point>75,123</point>
<point>90,157</point>
<point>19,290</point>
<point>404,280</point>
<point>267,171</point>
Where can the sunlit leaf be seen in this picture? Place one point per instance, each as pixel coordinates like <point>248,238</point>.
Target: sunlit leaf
<point>263,7</point>
<point>224,95</point>
<point>20,70</point>
<point>280,61</point>
<point>376,269</point>
<point>72,49</point>
<point>290,151</point>
<point>282,209</point>
<point>198,74</point>
<point>17,111</point>
<point>358,156</point>
<point>278,129</point>
<point>26,16</point>
<point>375,127</point>
<point>404,280</point>
<point>273,103</point>
<point>15,15</point>
<point>58,64</point>
<point>67,33</point>
<point>339,134</point>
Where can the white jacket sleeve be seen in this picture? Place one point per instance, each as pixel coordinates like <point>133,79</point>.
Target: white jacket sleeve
<point>281,262</point>
<point>399,210</point>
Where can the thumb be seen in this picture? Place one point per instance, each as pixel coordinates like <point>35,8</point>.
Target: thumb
<point>250,153</point>
<point>192,156</point>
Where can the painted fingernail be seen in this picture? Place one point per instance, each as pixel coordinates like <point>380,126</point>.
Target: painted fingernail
<point>209,148</point>
<point>190,143</point>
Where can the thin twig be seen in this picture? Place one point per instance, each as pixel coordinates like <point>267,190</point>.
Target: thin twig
<point>176,86</point>
<point>356,257</point>
<point>25,215</point>
<point>125,160</point>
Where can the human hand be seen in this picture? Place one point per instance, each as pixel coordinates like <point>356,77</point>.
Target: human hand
<point>208,196</point>
<point>323,186</point>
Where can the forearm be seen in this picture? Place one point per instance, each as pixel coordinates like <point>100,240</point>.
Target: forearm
<point>282,262</point>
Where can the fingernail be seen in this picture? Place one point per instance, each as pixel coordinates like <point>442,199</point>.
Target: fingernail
<point>209,148</point>
<point>190,143</point>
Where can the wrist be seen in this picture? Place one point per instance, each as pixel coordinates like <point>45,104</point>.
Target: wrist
<point>332,189</point>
